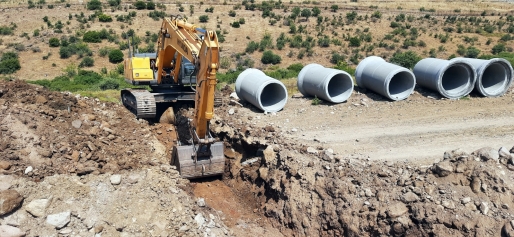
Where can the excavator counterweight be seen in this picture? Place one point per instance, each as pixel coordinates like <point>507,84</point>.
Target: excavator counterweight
<point>179,72</point>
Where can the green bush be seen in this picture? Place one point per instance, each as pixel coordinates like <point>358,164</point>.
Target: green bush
<point>150,5</point>
<point>9,63</point>
<point>54,42</point>
<point>85,77</point>
<point>104,18</point>
<point>94,5</point>
<point>92,37</point>
<point>251,46</point>
<point>269,57</point>
<point>140,5</point>
<point>5,30</point>
<point>355,42</point>
<point>498,48</point>
<point>405,59</point>
<point>204,18</point>
<point>235,24</point>
<point>87,62</point>
<point>109,84</point>
<point>116,56</point>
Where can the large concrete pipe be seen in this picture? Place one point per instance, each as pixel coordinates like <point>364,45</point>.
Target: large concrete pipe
<point>386,79</point>
<point>494,76</point>
<point>329,84</point>
<point>266,93</point>
<point>451,78</point>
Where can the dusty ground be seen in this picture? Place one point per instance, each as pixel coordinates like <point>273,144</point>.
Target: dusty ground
<point>278,182</point>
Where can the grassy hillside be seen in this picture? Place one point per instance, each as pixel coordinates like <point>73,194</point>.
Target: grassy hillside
<point>50,37</point>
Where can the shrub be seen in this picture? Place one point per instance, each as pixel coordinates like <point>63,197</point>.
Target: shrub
<point>251,47</point>
<point>109,84</point>
<point>232,13</point>
<point>116,56</point>
<point>140,5</point>
<point>87,62</point>
<point>92,37</point>
<point>85,77</point>
<point>355,42</point>
<point>269,57</point>
<point>405,59</point>
<point>498,49</point>
<point>204,18</point>
<point>104,18</point>
<point>9,63</point>
<point>150,6</point>
<point>54,42</point>
<point>94,5</point>
<point>235,24</point>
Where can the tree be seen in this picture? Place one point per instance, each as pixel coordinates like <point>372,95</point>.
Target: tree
<point>269,57</point>
<point>87,62</point>
<point>53,42</point>
<point>204,18</point>
<point>116,56</point>
<point>94,5</point>
<point>140,5</point>
<point>405,59</point>
<point>316,11</point>
<point>306,13</point>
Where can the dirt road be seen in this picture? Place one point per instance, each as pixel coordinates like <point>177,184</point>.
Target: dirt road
<point>418,129</point>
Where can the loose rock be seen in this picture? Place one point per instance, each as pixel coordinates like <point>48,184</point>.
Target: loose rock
<point>9,200</point>
<point>10,231</point>
<point>115,179</point>
<point>59,220</point>
<point>37,207</point>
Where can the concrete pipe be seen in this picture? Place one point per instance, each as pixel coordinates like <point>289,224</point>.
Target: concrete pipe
<point>264,92</point>
<point>494,76</point>
<point>386,79</point>
<point>328,84</point>
<point>451,78</point>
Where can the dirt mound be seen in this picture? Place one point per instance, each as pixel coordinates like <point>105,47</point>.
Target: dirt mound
<point>310,191</point>
<point>62,133</point>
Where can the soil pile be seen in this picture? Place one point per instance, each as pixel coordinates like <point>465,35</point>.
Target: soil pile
<point>74,166</point>
<point>312,191</point>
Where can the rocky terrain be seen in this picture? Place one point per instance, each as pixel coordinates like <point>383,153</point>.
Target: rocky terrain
<point>75,166</point>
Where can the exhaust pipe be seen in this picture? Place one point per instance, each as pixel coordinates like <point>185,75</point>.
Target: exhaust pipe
<point>494,76</point>
<point>329,84</point>
<point>386,79</point>
<point>264,92</point>
<point>451,78</point>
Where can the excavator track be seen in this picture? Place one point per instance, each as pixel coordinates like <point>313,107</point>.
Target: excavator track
<point>141,102</point>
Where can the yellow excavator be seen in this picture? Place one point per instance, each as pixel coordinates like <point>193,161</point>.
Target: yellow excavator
<point>183,69</point>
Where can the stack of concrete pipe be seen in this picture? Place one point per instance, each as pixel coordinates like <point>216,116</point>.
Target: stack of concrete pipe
<point>451,78</point>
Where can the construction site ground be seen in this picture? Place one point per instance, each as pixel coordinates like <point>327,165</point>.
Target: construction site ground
<point>425,166</point>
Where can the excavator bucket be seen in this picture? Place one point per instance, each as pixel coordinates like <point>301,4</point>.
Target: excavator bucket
<point>212,164</point>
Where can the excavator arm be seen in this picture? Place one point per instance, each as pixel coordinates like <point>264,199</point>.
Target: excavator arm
<point>179,39</point>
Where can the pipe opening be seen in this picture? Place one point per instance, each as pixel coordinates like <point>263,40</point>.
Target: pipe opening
<point>273,97</point>
<point>456,79</point>
<point>340,87</point>
<point>494,78</point>
<point>401,85</point>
